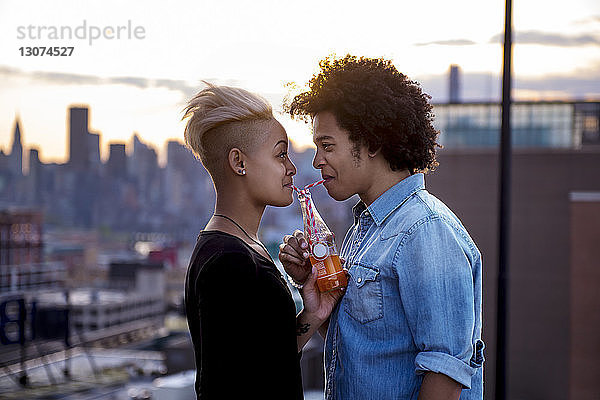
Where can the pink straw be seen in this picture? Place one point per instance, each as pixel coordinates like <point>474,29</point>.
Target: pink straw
<point>308,186</point>
<point>309,210</point>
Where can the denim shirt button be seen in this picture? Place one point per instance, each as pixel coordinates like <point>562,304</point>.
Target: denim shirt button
<point>359,280</point>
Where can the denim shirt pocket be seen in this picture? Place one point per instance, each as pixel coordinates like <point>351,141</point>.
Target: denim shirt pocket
<point>477,359</point>
<point>363,300</point>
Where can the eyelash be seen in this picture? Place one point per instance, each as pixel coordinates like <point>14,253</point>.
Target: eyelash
<point>284,154</point>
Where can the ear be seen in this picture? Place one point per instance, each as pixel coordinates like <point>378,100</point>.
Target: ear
<point>373,153</point>
<point>237,161</point>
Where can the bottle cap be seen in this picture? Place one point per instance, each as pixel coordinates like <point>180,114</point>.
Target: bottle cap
<point>319,250</point>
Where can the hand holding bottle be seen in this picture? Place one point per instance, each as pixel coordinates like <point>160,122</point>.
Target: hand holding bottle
<point>316,244</point>
<point>317,303</point>
<point>294,256</point>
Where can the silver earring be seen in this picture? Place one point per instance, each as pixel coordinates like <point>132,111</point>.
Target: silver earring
<point>242,171</point>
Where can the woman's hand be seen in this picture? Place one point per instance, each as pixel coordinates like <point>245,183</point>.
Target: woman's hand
<point>319,305</point>
<point>294,256</point>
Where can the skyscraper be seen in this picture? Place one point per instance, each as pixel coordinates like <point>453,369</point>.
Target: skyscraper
<point>34,180</point>
<point>94,152</point>
<point>16,154</point>
<point>117,161</point>
<point>454,84</point>
<point>78,138</point>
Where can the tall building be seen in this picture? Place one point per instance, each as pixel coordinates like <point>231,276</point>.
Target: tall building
<point>117,161</point>
<point>94,152</point>
<point>454,84</point>
<point>16,154</point>
<point>78,138</point>
<point>143,167</point>
<point>34,179</point>
<point>84,146</point>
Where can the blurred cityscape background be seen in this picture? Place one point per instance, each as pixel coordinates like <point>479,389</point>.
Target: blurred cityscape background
<point>97,224</point>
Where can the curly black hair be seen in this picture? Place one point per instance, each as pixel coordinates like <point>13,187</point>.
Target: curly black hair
<point>379,107</point>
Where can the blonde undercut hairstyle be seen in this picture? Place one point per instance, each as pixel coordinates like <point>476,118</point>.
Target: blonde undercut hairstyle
<point>221,118</point>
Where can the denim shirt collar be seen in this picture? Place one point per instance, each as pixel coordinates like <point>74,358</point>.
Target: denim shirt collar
<point>391,199</point>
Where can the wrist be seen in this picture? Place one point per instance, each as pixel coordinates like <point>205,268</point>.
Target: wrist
<point>309,317</point>
<point>295,284</point>
<point>312,317</point>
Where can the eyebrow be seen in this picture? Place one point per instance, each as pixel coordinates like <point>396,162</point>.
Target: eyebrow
<point>322,138</point>
<point>281,141</point>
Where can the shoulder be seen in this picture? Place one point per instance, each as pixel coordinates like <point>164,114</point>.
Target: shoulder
<point>425,216</point>
<point>440,230</point>
<point>220,253</point>
<point>416,209</point>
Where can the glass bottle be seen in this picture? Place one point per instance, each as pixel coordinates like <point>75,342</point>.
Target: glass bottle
<point>321,244</point>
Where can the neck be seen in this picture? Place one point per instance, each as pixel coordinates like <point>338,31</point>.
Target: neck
<point>381,184</point>
<point>241,210</point>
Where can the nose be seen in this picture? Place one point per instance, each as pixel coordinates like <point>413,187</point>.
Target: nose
<point>291,169</point>
<point>318,161</point>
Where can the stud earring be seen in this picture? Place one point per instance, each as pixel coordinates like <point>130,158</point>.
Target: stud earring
<point>242,171</point>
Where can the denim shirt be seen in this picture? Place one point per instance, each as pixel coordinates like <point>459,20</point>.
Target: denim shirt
<point>413,302</point>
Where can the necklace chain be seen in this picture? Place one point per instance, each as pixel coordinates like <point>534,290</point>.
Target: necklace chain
<point>245,233</point>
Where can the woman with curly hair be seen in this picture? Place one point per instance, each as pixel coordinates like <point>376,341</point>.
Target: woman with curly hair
<point>409,325</point>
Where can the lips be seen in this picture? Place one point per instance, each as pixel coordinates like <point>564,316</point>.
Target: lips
<point>288,185</point>
<point>327,177</point>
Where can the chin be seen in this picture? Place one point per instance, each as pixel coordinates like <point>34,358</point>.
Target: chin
<point>336,195</point>
<point>284,201</point>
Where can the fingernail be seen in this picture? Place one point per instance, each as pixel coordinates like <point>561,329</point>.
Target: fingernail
<point>305,254</point>
<point>304,245</point>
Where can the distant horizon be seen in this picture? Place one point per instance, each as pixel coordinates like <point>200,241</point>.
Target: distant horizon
<point>161,148</point>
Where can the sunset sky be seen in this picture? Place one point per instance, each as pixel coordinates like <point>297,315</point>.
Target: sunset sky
<point>140,84</point>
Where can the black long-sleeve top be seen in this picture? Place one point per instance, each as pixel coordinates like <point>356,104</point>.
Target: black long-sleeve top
<point>242,321</point>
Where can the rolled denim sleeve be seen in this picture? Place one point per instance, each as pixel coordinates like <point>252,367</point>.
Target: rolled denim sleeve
<point>437,293</point>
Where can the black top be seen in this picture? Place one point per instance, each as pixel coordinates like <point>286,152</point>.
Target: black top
<point>242,320</point>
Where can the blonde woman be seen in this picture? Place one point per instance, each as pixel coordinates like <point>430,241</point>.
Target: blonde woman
<point>247,337</point>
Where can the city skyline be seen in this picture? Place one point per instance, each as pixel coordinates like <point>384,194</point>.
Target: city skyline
<point>104,148</point>
<point>141,84</point>
<point>127,147</point>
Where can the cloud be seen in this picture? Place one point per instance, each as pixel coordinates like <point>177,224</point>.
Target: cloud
<point>531,37</point>
<point>141,83</point>
<point>61,78</point>
<point>450,42</point>
<point>549,39</point>
<point>53,77</point>
<point>594,19</point>
<point>178,85</point>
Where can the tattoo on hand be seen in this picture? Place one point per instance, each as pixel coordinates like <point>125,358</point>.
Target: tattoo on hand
<point>301,329</point>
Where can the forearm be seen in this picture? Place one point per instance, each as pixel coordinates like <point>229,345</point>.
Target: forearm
<point>439,387</point>
<point>306,326</point>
